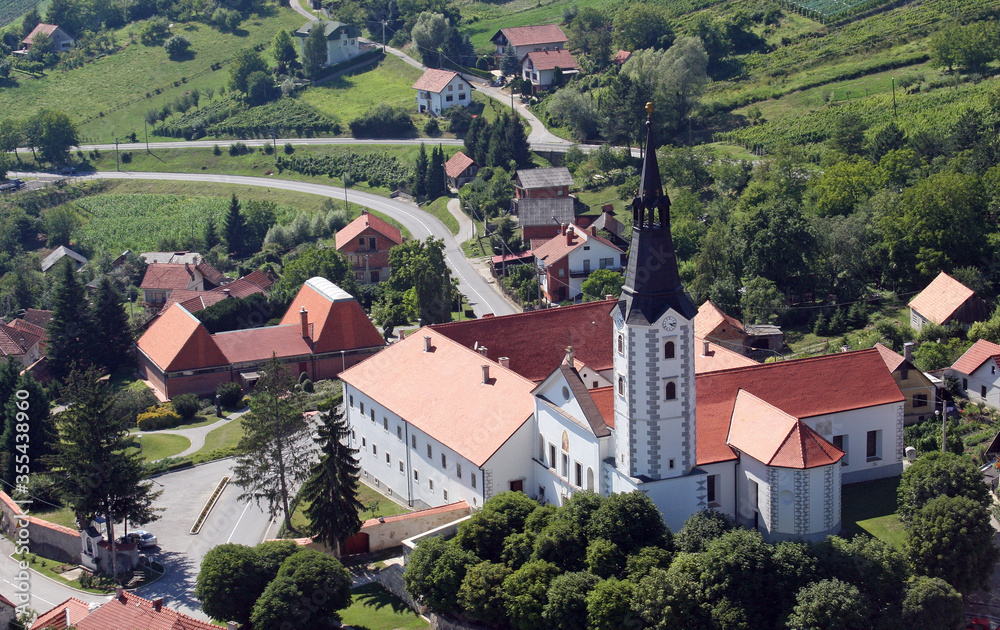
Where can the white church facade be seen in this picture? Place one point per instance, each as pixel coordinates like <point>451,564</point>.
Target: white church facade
<point>663,412</point>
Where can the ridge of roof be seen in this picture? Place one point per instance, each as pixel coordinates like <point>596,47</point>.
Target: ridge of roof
<point>434,80</point>
<point>536,34</point>
<point>552,59</point>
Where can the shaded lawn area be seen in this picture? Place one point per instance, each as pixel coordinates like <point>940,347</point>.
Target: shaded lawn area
<point>374,608</point>
<point>870,507</point>
<point>375,505</point>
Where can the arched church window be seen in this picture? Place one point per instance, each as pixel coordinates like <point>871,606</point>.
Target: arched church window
<point>621,386</point>
<point>590,479</point>
<point>621,344</point>
<point>668,350</point>
<point>671,390</point>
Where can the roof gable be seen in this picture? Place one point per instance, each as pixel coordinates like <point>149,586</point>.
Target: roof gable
<point>552,59</point>
<point>331,29</point>
<point>441,392</point>
<point>364,222</point>
<point>941,298</point>
<point>717,358</point>
<point>71,609</point>
<point>58,254</point>
<point>434,80</point>
<point>710,317</point>
<point>168,276</point>
<point>457,164</point>
<point>176,340</point>
<point>138,613</point>
<point>973,358</point>
<point>802,388</point>
<point>548,212</point>
<point>776,438</point>
<point>337,320</point>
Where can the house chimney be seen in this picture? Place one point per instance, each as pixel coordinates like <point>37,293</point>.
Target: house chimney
<point>402,334</point>
<point>120,595</point>
<point>609,297</point>
<point>704,348</point>
<point>593,230</point>
<point>608,208</point>
<point>505,362</point>
<point>304,317</point>
<point>486,375</point>
<point>483,350</point>
<point>226,292</point>
<point>427,343</point>
<point>908,350</point>
<point>232,625</point>
<point>569,235</point>
<point>187,268</point>
<point>562,228</point>
<point>158,604</point>
<point>569,357</point>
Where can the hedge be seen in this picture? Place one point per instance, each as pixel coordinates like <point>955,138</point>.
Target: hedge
<point>158,418</point>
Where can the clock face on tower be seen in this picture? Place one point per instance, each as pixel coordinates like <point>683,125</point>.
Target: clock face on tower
<point>669,323</point>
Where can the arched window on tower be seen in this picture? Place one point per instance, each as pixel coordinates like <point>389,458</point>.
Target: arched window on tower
<point>668,350</point>
<point>621,344</point>
<point>671,390</point>
<point>621,386</point>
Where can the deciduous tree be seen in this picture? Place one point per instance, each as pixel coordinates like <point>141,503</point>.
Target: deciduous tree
<point>309,589</point>
<point>932,604</point>
<point>245,63</point>
<point>939,474</point>
<point>950,537</point>
<point>829,605</point>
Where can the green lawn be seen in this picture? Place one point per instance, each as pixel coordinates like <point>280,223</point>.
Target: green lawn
<point>110,94</point>
<point>870,507</point>
<point>375,608</point>
<point>347,97</point>
<point>439,208</point>
<point>60,516</point>
<point>220,442</point>
<point>159,445</point>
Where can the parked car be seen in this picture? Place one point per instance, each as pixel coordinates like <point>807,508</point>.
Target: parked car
<point>67,170</point>
<point>141,538</point>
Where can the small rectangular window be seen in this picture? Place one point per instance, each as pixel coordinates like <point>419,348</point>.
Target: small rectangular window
<point>430,451</point>
<point>413,441</point>
<point>399,433</point>
<point>711,489</point>
<point>473,481</point>
<point>552,456</point>
<point>874,446</point>
<point>416,476</point>
<point>840,442</point>
<point>363,443</point>
<point>351,399</point>
<point>444,495</point>
<point>577,475</point>
<point>385,423</point>
<point>444,461</point>
<point>565,466</point>
<point>388,460</point>
<point>372,414</point>
<point>920,400</point>
<point>402,470</point>
<point>458,470</point>
<point>430,485</point>
<point>362,406</point>
<point>982,391</point>
<point>374,449</point>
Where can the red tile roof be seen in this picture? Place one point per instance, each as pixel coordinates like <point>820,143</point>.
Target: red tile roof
<point>528,35</point>
<point>559,246</point>
<point>260,278</point>
<point>40,371</point>
<point>193,301</point>
<point>72,609</point>
<point>434,80</point>
<point>710,317</point>
<point>604,398</point>
<point>367,220</point>
<point>803,388</point>
<point>131,612</point>
<point>258,344</point>
<point>337,320</point>
<point>941,298</point>
<point>167,276</point>
<point>45,29</point>
<point>891,358</point>
<point>776,438</point>
<point>717,358</point>
<point>979,353</point>
<point>621,57</point>
<point>441,509</point>
<point>442,394</point>
<point>176,340</point>
<point>37,317</point>
<point>10,342</point>
<point>552,59</point>
<point>27,328</point>
<point>535,341</point>
<point>457,164</point>
<point>212,275</point>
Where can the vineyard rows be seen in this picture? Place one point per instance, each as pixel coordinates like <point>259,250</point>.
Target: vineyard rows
<point>11,10</point>
<point>378,169</point>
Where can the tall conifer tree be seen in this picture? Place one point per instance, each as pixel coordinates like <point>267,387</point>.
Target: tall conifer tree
<point>420,173</point>
<point>235,228</point>
<point>70,330</point>
<point>114,340</point>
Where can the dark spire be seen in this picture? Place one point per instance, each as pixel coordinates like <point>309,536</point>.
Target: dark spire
<point>652,282</point>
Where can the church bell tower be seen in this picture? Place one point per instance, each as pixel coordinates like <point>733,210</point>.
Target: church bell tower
<point>654,342</point>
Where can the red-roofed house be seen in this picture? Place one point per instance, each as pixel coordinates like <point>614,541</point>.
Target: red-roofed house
<point>945,301</point>
<point>366,242</point>
<point>979,370</point>
<point>621,57</point>
<point>161,279</point>
<point>713,324</point>
<point>569,257</point>
<point>437,90</point>
<point>194,301</point>
<point>460,169</point>
<point>323,332</point>
<point>125,611</point>
<point>539,67</point>
<point>525,39</point>
<point>61,40</point>
<point>21,341</point>
<point>435,422</point>
<point>918,389</point>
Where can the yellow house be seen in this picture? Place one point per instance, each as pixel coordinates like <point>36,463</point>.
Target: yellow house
<point>918,390</point>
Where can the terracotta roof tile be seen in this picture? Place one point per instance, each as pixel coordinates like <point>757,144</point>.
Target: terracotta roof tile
<point>212,275</point>
<point>56,618</point>
<point>457,164</point>
<point>258,344</point>
<point>40,371</point>
<point>167,276</point>
<point>979,353</point>
<point>37,317</point>
<point>941,298</point>
<point>337,320</point>
<point>434,80</point>
<point>367,220</point>
<point>535,341</point>
<point>442,394</point>
<point>891,358</point>
<point>176,340</point>
<point>10,342</point>
<point>528,35</point>
<point>45,29</point>
<point>718,358</point>
<point>559,246</point>
<point>552,59</point>
<point>441,509</point>
<point>802,388</point>
<point>260,278</point>
<point>710,317</point>
<point>621,57</point>
<point>776,438</point>
<point>604,398</point>
<point>131,612</point>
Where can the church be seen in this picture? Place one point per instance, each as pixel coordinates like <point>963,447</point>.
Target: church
<point>620,395</point>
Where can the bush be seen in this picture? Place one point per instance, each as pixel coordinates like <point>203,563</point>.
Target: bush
<point>431,128</point>
<point>289,149</point>
<point>177,46</point>
<point>229,394</point>
<point>186,405</point>
<point>158,418</point>
<point>383,122</point>
<point>216,150</point>
<point>307,386</point>
<point>126,157</point>
<point>238,148</point>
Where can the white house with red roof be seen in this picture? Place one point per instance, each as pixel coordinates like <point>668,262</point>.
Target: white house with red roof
<point>366,242</point>
<point>539,67</point>
<point>460,169</point>
<point>437,90</point>
<point>61,40</point>
<point>979,372</point>
<point>568,258</point>
<point>21,341</point>
<point>946,301</point>
<point>525,39</point>
<point>162,279</point>
<point>324,332</point>
<point>123,611</point>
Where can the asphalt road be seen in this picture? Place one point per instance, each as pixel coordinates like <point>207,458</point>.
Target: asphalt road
<point>481,294</point>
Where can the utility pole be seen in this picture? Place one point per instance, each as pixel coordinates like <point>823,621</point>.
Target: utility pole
<point>145,126</point>
<point>383,35</point>
<point>893,97</point>
<point>944,430</point>
<point>115,138</point>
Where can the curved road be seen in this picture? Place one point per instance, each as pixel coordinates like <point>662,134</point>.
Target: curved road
<point>481,294</point>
